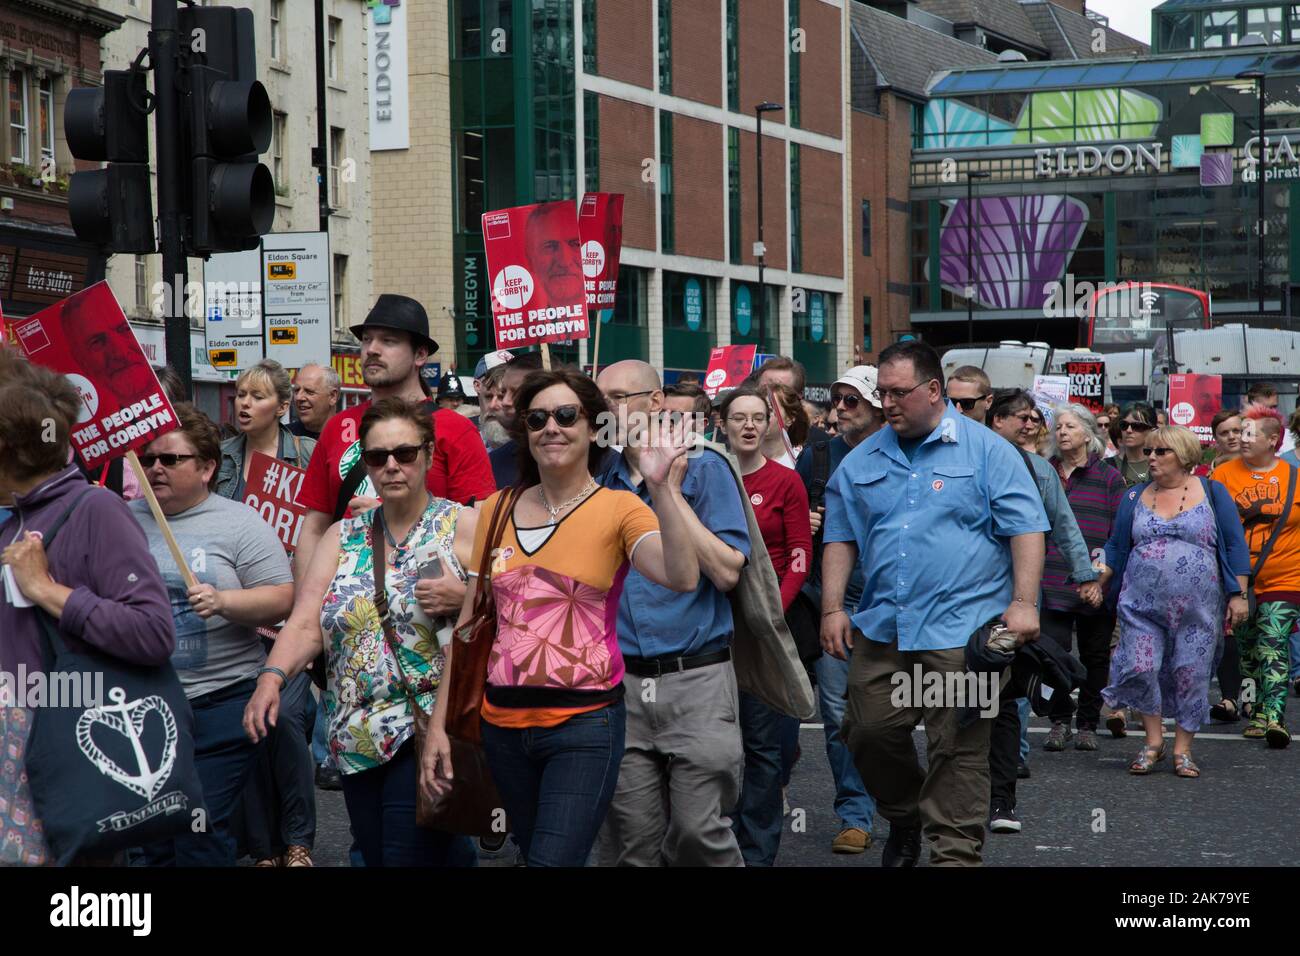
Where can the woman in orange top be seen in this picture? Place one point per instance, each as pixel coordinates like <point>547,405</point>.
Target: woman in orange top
<point>553,713</point>
<point>1258,483</point>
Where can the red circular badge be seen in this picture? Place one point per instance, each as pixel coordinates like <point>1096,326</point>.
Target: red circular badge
<point>937,484</point>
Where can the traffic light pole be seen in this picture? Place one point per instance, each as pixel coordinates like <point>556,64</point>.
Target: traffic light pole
<point>164,51</point>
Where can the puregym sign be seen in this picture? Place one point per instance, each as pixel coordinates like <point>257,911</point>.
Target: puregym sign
<point>1086,160</point>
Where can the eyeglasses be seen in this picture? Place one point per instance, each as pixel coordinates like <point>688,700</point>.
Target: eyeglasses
<point>848,400</point>
<point>378,457</point>
<point>896,395</point>
<point>758,418</point>
<point>566,416</point>
<point>168,460</point>
<point>1158,452</point>
<point>618,398</point>
<point>968,404</point>
<point>1135,426</point>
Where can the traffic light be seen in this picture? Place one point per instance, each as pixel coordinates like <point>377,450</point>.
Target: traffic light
<point>226,116</point>
<point>113,206</point>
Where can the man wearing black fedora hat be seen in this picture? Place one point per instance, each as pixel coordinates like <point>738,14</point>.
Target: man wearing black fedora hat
<point>395,343</point>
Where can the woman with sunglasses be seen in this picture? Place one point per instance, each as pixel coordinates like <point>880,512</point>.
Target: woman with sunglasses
<point>553,716</point>
<point>781,506</point>
<point>377,675</point>
<point>1128,434</point>
<point>1176,552</point>
<point>1033,432</point>
<point>243,582</point>
<point>275,822</point>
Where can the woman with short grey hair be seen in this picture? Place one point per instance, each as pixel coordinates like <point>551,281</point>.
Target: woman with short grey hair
<point>1094,490</point>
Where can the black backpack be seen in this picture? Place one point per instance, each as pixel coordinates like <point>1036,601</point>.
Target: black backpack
<point>118,775</point>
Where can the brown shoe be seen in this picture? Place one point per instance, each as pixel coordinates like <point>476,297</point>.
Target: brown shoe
<point>851,840</point>
<point>297,856</point>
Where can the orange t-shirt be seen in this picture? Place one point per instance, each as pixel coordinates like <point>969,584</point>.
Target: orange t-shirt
<point>557,589</point>
<point>1259,497</point>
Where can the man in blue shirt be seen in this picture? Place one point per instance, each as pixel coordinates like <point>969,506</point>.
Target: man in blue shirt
<point>947,525</point>
<point>683,735</point>
<point>859,417</point>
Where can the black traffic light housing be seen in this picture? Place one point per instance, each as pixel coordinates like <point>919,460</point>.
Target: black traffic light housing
<point>226,116</point>
<point>111,207</point>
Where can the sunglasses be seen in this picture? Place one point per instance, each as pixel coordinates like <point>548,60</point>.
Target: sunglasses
<point>1135,426</point>
<point>378,457</point>
<point>968,404</point>
<point>566,416</point>
<point>168,460</point>
<point>847,399</point>
<point>1158,452</point>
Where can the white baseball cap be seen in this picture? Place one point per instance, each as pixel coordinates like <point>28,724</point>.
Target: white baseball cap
<point>863,379</point>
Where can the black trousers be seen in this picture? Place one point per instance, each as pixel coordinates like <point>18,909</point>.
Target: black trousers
<point>1004,749</point>
<point>1094,632</point>
<point>277,808</point>
<point>1229,672</point>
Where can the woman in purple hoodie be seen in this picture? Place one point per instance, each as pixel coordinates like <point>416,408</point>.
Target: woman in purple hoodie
<point>98,581</point>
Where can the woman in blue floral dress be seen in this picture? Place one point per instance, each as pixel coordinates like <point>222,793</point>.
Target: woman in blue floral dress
<point>373,683</point>
<point>1177,549</point>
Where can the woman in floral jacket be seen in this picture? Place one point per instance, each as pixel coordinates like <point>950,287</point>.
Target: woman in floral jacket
<point>374,682</point>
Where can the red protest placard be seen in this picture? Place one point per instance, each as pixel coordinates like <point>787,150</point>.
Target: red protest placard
<point>272,491</point>
<point>600,228</point>
<point>1087,384</point>
<point>87,338</point>
<point>729,365</point>
<point>1194,400</point>
<point>534,256</point>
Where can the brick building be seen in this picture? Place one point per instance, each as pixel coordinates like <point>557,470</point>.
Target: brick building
<point>655,99</point>
<point>46,49</point>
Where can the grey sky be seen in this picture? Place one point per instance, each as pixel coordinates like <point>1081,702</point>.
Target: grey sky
<point>1127,16</point>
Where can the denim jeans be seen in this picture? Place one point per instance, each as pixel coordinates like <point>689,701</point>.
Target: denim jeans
<point>381,807</point>
<point>557,782</point>
<point>853,805</point>
<point>758,818</point>
<point>223,758</point>
<point>320,747</point>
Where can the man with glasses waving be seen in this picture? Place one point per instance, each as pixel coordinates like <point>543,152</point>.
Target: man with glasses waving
<point>917,506</point>
<point>971,391</point>
<point>681,772</point>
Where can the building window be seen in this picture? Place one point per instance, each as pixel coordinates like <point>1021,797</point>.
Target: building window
<point>667,233</point>
<point>1267,22</point>
<point>591,140</point>
<point>277,38</point>
<point>471,181</point>
<point>866,323</point>
<point>796,59</point>
<point>866,227</point>
<point>1177,33</point>
<point>45,96</point>
<point>141,284</point>
<point>733,194</point>
<point>337,146</point>
<point>332,60</point>
<point>665,46</point>
<point>733,55</point>
<point>796,214</point>
<point>18,117</point>
<point>1220,28</point>
<point>589,37</point>
<point>280,122</point>
<point>340,291</point>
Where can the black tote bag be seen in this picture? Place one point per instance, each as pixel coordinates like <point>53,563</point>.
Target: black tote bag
<point>119,774</point>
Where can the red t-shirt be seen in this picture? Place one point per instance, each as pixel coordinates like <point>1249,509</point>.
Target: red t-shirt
<point>460,469</point>
<point>781,506</point>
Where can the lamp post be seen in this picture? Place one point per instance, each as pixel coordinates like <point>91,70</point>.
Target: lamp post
<point>760,250</point>
<point>971,176</point>
<point>1261,157</point>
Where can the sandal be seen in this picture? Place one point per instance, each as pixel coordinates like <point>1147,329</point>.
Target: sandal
<point>1147,758</point>
<point>1256,729</point>
<point>1184,767</point>
<point>1225,711</point>
<point>1117,724</point>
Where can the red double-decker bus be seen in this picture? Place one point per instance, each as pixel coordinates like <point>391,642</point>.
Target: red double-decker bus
<point>1139,315</point>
